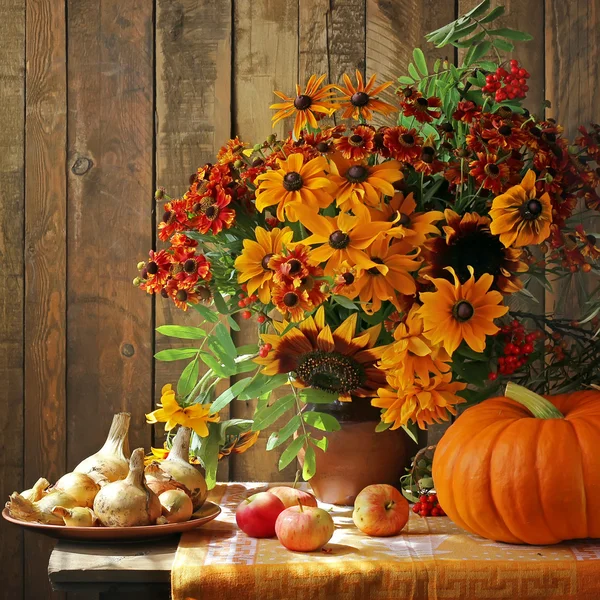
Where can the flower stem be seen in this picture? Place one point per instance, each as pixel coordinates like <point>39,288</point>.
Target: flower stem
<point>539,407</point>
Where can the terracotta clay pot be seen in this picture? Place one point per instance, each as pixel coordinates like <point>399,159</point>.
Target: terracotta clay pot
<point>357,455</point>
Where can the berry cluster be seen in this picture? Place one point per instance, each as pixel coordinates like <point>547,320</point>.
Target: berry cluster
<point>264,350</point>
<point>517,347</point>
<point>507,85</point>
<point>246,300</point>
<point>428,506</point>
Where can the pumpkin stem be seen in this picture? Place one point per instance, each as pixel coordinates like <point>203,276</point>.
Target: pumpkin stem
<point>537,405</point>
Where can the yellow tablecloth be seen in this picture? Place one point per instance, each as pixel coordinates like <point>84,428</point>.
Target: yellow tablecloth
<point>432,559</point>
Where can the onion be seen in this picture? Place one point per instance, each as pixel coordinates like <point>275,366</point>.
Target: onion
<point>110,462</point>
<point>37,491</point>
<point>78,516</point>
<point>176,507</point>
<point>177,467</point>
<point>128,503</point>
<point>41,511</point>
<point>79,486</point>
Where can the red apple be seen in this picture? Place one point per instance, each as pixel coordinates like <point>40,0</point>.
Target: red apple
<point>257,514</point>
<point>291,496</point>
<point>304,528</point>
<point>380,510</point>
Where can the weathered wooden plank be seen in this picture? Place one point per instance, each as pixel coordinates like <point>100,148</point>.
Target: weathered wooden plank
<point>110,158</point>
<point>12,217</point>
<point>45,264</point>
<point>193,97</point>
<point>572,79</point>
<point>393,30</point>
<point>265,58</point>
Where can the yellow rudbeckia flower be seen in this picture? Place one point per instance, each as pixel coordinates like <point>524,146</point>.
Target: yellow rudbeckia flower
<point>195,416</point>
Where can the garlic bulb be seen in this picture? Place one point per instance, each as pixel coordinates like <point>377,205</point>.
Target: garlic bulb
<point>79,486</point>
<point>176,507</point>
<point>110,463</point>
<point>37,491</point>
<point>41,511</point>
<point>78,516</point>
<point>129,502</point>
<point>178,467</point>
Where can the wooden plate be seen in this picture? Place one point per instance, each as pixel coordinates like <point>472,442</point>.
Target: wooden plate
<point>207,512</point>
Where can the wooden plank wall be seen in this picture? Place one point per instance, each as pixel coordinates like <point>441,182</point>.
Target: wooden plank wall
<point>102,101</point>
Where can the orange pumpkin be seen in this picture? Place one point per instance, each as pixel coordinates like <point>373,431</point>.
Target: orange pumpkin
<point>526,471</point>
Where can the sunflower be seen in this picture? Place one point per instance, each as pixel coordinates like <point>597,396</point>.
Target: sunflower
<point>410,226</point>
<point>411,353</point>
<point>488,173</point>
<point>291,301</point>
<point>468,242</point>
<point>518,217</point>
<point>181,296</point>
<point>507,136</point>
<point>389,276</point>
<point>422,401</point>
<point>195,416</point>
<point>424,110</point>
<point>340,362</point>
<point>294,183</point>
<point>253,263</point>
<point>360,102</point>
<point>358,182</point>
<point>404,144</point>
<point>305,105</point>
<point>341,238</point>
<point>357,146</point>
<point>460,312</point>
<point>190,267</point>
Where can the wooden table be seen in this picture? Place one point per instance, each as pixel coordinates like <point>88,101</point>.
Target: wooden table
<point>114,571</point>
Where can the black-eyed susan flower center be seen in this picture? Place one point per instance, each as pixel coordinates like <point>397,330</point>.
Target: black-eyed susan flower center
<point>463,311</point>
<point>152,268</point>
<point>492,170</point>
<point>428,154</point>
<point>407,140</point>
<point>375,270</point>
<point>164,293</point>
<point>356,140</point>
<point>294,266</point>
<point>505,130</point>
<point>348,278</point>
<point>291,299</point>
<point>357,174</point>
<point>447,127</point>
<point>169,216</point>
<point>359,99</point>
<point>212,212</point>
<point>422,103</point>
<point>404,220</point>
<point>292,181</point>
<point>330,371</point>
<point>189,266</point>
<point>531,209</point>
<point>323,147</point>
<point>181,295</point>
<point>591,239</point>
<point>264,263</point>
<point>302,102</point>
<point>339,240</point>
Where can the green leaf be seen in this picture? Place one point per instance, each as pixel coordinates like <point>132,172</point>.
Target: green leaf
<point>413,72</point>
<point>323,443</point>
<point>262,384</point>
<point>229,394</point>
<point>512,34</point>
<point>313,396</point>
<point>247,349</point>
<point>411,431</point>
<point>291,452</point>
<point>345,302</point>
<point>210,458</point>
<point>310,463</point>
<point>321,421</point>
<point>472,372</point>
<point>467,352</point>
<point>493,14</point>
<point>503,45</point>
<point>285,433</point>
<point>437,64</point>
<point>188,379</point>
<point>381,426</point>
<point>212,363</point>
<point>224,357</point>
<point>220,303</point>
<point>420,61</point>
<point>176,354</point>
<point>406,80</point>
<point>245,366</point>
<point>233,323</point>
<point>179,331</point>
<point>487,65</point>
<point>479,9</point>
<point>209,315</point>
<point>460,33</point>
<point>480,50</point>
<point>269,414</point>
<point>225,340</point>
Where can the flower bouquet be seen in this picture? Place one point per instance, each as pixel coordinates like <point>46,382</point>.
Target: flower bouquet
<point>378,262</point>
